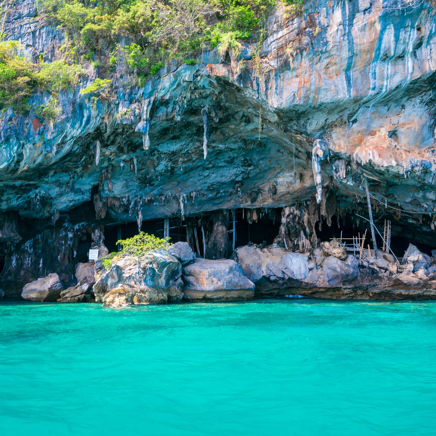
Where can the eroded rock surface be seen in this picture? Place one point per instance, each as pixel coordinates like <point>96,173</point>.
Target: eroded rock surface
<point>216,280</point>
<point>346,93</point>
<point>44,289</point>
<point>157,273</point>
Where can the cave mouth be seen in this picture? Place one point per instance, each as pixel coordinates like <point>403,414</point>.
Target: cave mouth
<point>178,231</point>
<point>260,228</point>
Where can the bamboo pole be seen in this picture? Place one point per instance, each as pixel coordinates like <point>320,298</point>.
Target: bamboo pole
<point>234,230</point>
<point>374,242</point>
<point>196,241</point>
<point>204,241</point>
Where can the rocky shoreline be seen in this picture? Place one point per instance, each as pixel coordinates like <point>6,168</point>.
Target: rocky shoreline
<point>176,274</point>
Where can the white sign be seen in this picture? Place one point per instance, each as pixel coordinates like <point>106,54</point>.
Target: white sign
<point>93,254</point>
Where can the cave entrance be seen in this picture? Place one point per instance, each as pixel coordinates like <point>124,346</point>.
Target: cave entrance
<point>116,231</point>
<point>261,230</point>
<point>83,248</point>
<point>2,263</point>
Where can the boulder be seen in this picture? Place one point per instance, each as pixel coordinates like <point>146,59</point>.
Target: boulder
<point>318,256</point>
<point>216,280</point>
<point>77,294</point>
<point>158,271</point>
<point>85,273</point>
<point>182,251</point>
<point>273,267</point>
<point>409,279</point>
<point>333,248</point>
<point>44,289</point>
<point>417,258</point>
<point>337,272</point>
<point>125,295</point>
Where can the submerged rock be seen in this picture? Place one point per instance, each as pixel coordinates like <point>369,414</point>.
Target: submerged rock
<point>44,289</point>
<point>216,280</point>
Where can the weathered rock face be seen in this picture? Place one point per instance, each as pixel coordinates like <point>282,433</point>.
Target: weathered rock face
<point>157,273</point>
<point>44,289</point>
<point>273,268</point>
<point>346,92</point>
<point>55,248</point>
<point>183,252</point>
<point>77,294</point>
<point>85,273</point>
<point>125,295</point>
<point>337,272</point>
<point>216,280</point>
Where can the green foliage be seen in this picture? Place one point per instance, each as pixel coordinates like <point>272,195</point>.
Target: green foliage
<point>107,261</point>
<point>137,59</point>
<point>155,68</point>
<point>159,30</point>
<point>58,75</point>
<point>294,7</point>
<point>113,63</point>
<point>142,244</point>
<point>17,77</point>
<point>97,87</point>
<point>49,112</point>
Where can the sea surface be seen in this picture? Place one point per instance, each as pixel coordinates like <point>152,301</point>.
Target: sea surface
<point>259,368</point>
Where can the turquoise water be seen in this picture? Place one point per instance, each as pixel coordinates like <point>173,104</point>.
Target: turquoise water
<point>258,368</point>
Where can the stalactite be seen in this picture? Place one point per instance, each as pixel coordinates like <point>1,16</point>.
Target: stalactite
<point>135,164</point>
<point>139,214</point>
<point>205,133</point>
<point>182,199</point>
<point>144,125</point>
<point>320,151</point>
<point>97,152</point>
<point>145,141</point>
<point>339,169</point>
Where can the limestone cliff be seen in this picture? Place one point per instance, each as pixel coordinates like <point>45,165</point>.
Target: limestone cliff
<point>344,91</point>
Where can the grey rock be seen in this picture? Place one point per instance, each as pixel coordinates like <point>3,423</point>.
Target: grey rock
<point>273,266</point>
<point>215,275</point>
<point>85,273</point>
<point>44,289</point>
<point>125,295</point>
<point>333,248</point>
<point>337,272</point>
<point>183,252</point>
<point>414,256</point>
<point>159,270</point>
<point>77,294</point>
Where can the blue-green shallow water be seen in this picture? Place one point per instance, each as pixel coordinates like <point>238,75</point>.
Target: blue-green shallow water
<point>258,368</point>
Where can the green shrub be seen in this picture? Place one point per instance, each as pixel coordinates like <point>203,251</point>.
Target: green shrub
<point>17,77</point>
<point>155,68</point>
<point>142,244</point>
<point>97,87</point>
<point>107,261</point>
<point>50,111</point>
<point>58,75</point>
<point>189,61</point>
